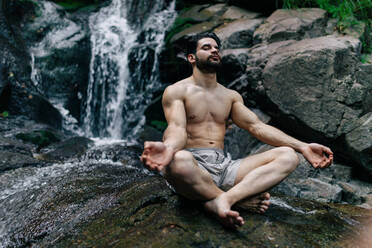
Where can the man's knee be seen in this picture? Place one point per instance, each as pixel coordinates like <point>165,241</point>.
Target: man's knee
<point>181,164</point>
<point>290,156</point>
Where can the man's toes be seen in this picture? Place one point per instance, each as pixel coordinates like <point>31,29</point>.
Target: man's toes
<point>267,195</point>
<point>232,214</point>
<point>240,221</point>
<point>266,203</point>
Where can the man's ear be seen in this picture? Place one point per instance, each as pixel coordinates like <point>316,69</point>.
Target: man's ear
<point>191,58</point>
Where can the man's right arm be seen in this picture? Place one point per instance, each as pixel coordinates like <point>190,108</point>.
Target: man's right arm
<point>175,136</point>
<point>157,155</point>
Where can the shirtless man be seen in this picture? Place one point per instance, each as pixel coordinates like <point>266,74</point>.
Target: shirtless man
<point>191,156</point>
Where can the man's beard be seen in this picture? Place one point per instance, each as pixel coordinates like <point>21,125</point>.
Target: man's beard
<point>207,66</point>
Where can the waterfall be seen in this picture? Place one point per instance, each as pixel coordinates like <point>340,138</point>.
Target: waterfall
<point>126,38</point>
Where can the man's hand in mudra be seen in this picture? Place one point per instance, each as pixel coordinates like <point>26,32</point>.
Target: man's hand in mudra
<point>156,155</point>
<point>318,155</point>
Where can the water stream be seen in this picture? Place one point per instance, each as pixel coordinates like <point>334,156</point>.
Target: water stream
<point>123,69</point>
<point>123,75</point>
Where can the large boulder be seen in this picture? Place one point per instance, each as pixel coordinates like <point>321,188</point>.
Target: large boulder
<point>359,141</point>
<point>238,34</point>
<point>149,214</point>
<point>34,106</point>
<point>313,80</point>
<point>364,78</point>
<point>67,150</point>
<point>297,24</point>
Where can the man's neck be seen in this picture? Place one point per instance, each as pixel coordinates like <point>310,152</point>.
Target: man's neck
<point>205,80</point>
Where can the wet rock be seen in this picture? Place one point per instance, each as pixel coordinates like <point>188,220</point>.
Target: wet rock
<point>360,142</point>
<point>350,193</point>
<point>16,154</point>
<point>151,134</point>
<point>364,78</point>
<point>7,144</point>
<point>297,24</point>
<point>234,12</point>
<point>34,106</point>
<point>117,152</point>
<point>69,149</point>
<point>230,63</point>
<point>265,6</point>
<point>150,214</point>
<point>195,14</point>
<point>60,46</point>
<point>40,138</point>
<point>238,34</point>
<point>14,160</point>
<point>195,29</point>
<point>319,106</point>
<point>40,204</point>
<point>317,189</point>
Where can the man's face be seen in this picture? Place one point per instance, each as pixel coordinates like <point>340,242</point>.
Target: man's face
<point>207,55</point>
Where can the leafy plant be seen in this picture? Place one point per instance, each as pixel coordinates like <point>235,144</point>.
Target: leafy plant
<point>179,25</point>
<point>76,4</point>
<point>160,125</point>
<point>4,114</point>
<point>348,12</point>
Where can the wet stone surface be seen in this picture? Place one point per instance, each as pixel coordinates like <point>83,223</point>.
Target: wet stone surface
<point>150,215</point>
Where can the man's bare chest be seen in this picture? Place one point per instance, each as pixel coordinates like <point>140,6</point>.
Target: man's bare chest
<point>205,107</point>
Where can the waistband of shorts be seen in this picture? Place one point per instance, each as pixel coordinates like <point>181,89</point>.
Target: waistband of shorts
<point>204,149</point>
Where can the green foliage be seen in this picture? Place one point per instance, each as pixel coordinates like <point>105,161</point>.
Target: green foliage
<point>41,138</point>
<point>76,4</point>
<point>366,58</point>
<point>348,12</point>
<point>4,114</point>
<point>160,125</point>
<point>179,25</point>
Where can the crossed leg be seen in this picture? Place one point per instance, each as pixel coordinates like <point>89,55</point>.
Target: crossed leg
<point>256,174</point>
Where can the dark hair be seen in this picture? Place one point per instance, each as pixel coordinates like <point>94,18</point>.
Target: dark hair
<point>193,41</point>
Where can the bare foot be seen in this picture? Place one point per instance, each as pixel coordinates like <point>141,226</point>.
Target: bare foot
<point>220,208</point>
<point>256,204</point>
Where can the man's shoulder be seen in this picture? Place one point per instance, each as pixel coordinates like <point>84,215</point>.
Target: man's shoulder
<point>229,92</point>
<point>176,90</point>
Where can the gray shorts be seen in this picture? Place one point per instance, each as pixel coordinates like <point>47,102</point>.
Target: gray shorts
<point>218,164</point>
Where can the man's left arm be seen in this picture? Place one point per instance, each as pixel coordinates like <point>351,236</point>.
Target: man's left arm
<point>318,155</point>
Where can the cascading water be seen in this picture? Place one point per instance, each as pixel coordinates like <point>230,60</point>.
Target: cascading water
<point>123,67</point>
<point>123,76</point>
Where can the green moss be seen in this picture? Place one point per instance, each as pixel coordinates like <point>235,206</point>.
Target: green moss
<point>72,5</point>
<point>160,125</point>
<point>178,26</point>
<point>41,138</point>
<point>348,12</point>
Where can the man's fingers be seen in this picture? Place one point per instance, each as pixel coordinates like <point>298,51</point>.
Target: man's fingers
<point>315,164</point>
<point>159,167</point>
<point>323,164</point>
<point>147,145</point>
<point>327,150</point>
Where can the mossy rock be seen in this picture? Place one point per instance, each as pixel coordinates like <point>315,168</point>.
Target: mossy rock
<point>72,5</point>
<point>41,138</point>
<point>150,215</point>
